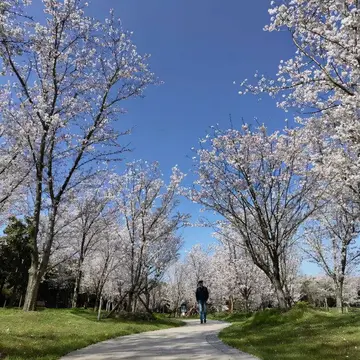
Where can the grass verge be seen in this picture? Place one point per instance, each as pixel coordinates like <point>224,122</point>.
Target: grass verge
<point>300,334</point>
<point>51,333</point>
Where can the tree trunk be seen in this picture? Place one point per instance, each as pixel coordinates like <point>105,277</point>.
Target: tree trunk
<point>97,302</point>
<point>34,274</point>
<point>37,270</point>
<point>79,272</point>
<point>246,304</point>
<point>86,301</point>
<point>147,297</point>
<point>13,295</point>
<point>130,302</point>
<point>32,289</point>
<point>116,306</point>
<point>288,296</point>
<point>100,308</point>
<point>77,286</point>
<point>339,296</point>
<point>134,305</point>
<point>146,306</point>
<point>283,305</point>
<point>231,304</point>
<point>98,296</point>
<point>326,304</point>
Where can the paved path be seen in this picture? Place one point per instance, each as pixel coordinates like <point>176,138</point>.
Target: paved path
<point>194,341</point>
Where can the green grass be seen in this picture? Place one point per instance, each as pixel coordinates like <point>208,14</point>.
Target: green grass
<point>300,334</point>
<point>51,333</point>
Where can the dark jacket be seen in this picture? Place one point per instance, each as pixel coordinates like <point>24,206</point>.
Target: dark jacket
<point>202,293</point>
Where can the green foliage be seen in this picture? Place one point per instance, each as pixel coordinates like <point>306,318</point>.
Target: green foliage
<point>50,334</point>
<point>137,316</point>
<point>299,334</point>
<point>231,317</point>
<point>15,257</point>
<point>302,305</point>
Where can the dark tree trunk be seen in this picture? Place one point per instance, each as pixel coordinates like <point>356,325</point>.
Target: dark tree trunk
<point>35,274</point>
<point>129,305</point>
<point>32,289</point>
<point>146,305</point>
<point>37,270</point>
<point>78,279</point>
<point>13,295</point>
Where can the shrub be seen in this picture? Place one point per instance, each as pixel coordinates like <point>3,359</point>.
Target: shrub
<point>136,316</point>
<point>302,305</point>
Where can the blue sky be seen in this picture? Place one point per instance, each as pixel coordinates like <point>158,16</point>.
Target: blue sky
<point>198,49</point>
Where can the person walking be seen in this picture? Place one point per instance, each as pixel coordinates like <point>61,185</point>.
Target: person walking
<point>202,296</point>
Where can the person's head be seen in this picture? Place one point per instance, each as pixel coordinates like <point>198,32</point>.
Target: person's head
<point>201,283</point>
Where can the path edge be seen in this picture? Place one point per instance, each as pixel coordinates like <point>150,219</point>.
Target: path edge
<point>214,341</point>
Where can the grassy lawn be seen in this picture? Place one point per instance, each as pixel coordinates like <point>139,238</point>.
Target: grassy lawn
<point>300,334</point>
<point>51,333</point>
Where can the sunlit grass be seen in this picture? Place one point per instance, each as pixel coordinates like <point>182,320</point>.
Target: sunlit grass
<point>51,333</point>
<point>300,334</point>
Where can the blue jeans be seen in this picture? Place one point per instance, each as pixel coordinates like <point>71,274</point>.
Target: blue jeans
<point>202,310</point>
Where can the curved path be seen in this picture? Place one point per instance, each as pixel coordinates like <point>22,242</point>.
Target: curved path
<point>194,341</point>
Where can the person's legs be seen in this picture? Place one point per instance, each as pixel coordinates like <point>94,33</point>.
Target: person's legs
<point>204,311</point>
<point>201,311</point>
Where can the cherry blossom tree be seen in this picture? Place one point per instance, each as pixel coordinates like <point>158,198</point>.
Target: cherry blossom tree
<point>176,278</point>
<point>11,13</point>
<point>316,290</point>
<point>260,184</point>
<point>149,221</point>
<point>14,176</point>
<point>159,300</point>
<point>323,73</point>
<point>219,277</point>
<point>234,268</point>
<point>197,260</point>
<point>230,275</point>
<point>67,79</point>
<point>13,168</point>
<point>351,294</point>
<point>197,264</point>
<point>93,218</point>
<point>100,266</point>
<point>330,241</point>
<point>321,80</point>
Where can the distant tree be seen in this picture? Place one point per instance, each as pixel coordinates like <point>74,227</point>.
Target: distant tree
<point>101,264</point>
<point>330,242</point>
<point>178,291</point>
<point>91,214</point>
<point>15,257</point>
<point>149,219</point>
